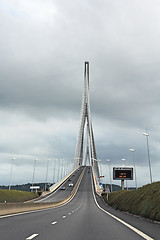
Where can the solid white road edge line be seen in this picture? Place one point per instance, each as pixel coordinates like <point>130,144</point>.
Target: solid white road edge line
<point>32,236</point>
<point>121,221</point>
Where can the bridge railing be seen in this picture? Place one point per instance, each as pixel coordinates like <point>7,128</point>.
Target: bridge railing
<point>58,184</point>
<point>96,182</point>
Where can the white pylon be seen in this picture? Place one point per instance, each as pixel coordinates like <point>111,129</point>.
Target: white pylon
<point>86,122</point>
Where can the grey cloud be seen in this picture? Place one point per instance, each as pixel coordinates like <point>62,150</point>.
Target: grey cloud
<point>43,48</point>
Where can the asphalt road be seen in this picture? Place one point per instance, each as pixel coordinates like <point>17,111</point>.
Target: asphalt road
<point>60,194</point>
<point>80,219</point>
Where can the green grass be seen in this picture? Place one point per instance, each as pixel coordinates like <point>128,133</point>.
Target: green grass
<point>16,196</point>
<point>144,201</point>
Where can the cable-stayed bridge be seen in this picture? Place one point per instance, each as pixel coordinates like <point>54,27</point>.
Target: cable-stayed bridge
<point>86,125</point>
<point>74,209</point>
<point>85,147</point>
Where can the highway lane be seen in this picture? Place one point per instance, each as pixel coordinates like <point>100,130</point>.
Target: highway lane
<point>79,219</point>
<point>60,194</point>
<point>145,225</point>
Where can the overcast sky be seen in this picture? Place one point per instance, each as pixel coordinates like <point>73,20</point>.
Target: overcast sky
<point>43,47</point>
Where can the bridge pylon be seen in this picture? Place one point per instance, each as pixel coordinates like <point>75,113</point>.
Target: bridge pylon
<point>86,129</point>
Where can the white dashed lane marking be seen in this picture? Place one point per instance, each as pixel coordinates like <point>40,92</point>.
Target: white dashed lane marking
<point>54,222</point>
<point>32,236</point>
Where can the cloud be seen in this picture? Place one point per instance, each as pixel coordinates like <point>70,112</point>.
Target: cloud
<point>44,45</point>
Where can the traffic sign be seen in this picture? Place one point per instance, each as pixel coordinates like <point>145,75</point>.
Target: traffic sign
<point>35,187</point>
<point>123,173</point>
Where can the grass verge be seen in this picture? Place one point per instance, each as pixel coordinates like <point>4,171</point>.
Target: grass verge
<point>16,196</point>
<point>144,201</point>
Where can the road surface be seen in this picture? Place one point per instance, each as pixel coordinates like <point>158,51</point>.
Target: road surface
<point>60,194</point>
<point>80,219</point>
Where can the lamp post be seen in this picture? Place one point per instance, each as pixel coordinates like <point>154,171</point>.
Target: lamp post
<point>132,150</point>
<point>149,161</point>
<point>11,173</point>
<point>108,160</point>
<point>54,169</point>
<point>69,167</point>
<point>64,167</point>
<point>100,172</point>
<point>97,160</point>
<point>34,167</point>
<point>62,163</point>
<point>58,173</point>
<point>124,160</point>
<point>100,167</point>
<point>46,175</point>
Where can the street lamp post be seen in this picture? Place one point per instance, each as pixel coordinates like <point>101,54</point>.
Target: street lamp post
<point>61,173</point>
<point>124,160</point>
<point>149,161</point>
<point>46,175</point>
<point>58,173</point>
<point>132,150</point>
<point>62,167</point>
<point>108,160</point>
<point>54,169</point>
<point>11,173</point>
<point>100,167</point>
<point>34,167</point>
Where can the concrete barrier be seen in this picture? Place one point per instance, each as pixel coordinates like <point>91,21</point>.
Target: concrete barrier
<point>54,187</point>
<point>11,208</point>
<point>57,185</point>
<point>96,183</point>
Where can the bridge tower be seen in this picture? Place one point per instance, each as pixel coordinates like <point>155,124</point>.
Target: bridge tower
<point>86,129</point>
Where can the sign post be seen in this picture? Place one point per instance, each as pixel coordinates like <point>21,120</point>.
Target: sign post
<point>122,184</point>
<point>107,190</point>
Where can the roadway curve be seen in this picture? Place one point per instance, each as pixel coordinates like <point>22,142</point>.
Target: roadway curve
<point>80,219</point>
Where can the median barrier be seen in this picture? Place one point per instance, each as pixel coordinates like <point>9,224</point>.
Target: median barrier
<point>54,187</point>
<point>13,208</point>
<point>57,185</point>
